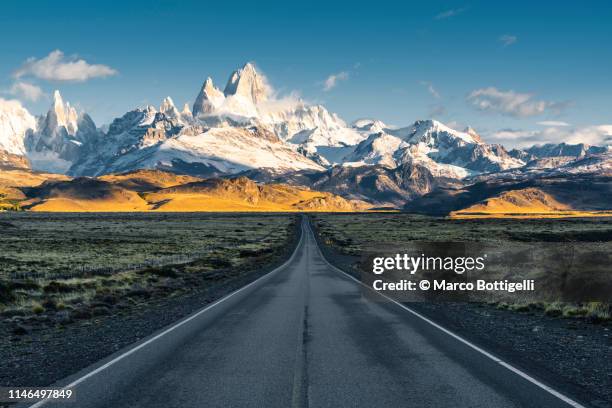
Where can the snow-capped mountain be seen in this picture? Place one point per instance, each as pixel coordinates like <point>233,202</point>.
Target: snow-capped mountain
<point>15,122</point>
<point>227,132</point>
<point>379,148</point>
<point>557,150</point>
<point>60,138</point>
<point>245,90</point>
<point>447,152</point>
<point>208,100</point>
<point>246,129</point>
<point>167,139</point>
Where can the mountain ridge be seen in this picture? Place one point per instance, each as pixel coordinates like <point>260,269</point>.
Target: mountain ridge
<point>245,129</point>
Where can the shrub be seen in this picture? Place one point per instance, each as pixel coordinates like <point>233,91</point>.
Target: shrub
<point>37,308</point>
<point>553,309</point>
<point>598,312</point>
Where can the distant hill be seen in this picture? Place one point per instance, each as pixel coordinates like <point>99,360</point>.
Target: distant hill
<point>550,195</point>
<point>154,190</point>
<point>245,129</point>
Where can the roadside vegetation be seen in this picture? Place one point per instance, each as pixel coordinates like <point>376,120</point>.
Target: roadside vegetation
<point>59,268</point>
<point>590,239</point>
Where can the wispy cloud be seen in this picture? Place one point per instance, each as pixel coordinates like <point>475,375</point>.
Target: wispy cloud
<point>57,67</point>
<point>508,39</point>
<point>512,103</point>
<point>26,91</point>
<point>431,89</point>
<point>553,123</point>
<point>333,80</point>
<point>449,13</point>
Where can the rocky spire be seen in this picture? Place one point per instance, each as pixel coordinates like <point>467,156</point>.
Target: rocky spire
<point>167,104</point>
<point>61,115</point>
<point>209,98</point>
<point>247,82</point>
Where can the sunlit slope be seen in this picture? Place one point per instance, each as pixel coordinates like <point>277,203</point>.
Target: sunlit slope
<point>528,202</point>
<point>83,195</point>
<point>13,180</point>
<point>166,192</point>
<point>148,180</point>
<point>242,194</point>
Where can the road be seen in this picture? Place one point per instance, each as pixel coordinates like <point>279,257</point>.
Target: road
<point>304,336</point>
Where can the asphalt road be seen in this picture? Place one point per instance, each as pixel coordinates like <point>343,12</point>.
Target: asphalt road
<point>303,336</point>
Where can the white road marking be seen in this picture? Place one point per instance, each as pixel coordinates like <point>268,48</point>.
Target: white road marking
<point>176,326</point>
<point>510,367</point>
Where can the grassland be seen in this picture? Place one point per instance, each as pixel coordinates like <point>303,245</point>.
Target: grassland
<point>352,235</point>
<point>71,266</point>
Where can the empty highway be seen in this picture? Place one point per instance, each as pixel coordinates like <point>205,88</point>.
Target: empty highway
<point>304,336</point>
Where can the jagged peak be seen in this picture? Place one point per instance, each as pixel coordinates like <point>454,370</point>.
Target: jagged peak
<point>209,98</point>
<point>57,98</point>
<point>472,132</point>
<point>427,126</point>
<point>167,105</point>
<point>247,82</point>
<point>209,85</point>
<point>186,110</point>
<point>62,114</point>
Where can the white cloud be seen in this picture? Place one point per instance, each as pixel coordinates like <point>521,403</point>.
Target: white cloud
<point>508,39</point>
<point>333,80</point>
<point>431,89</point>
<point>26,91</point>
<point>598,135</point>
<point>449,13</point>
<point>553,123</point>
<point>511,103</point>
<point>57,67</point>
<point>592,135</point>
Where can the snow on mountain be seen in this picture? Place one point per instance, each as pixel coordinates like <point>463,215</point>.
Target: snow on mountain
<point>369,126</point>
<point>444,151</point>
<point>208,100</point>
<point>186,112</point>
<point>246,128</point>
<point>249,84</point>
<point>247,100</point>
<point>312,124</point>
<point>15,122</point>
<point>167,107</point>
<point>61,137</point>
<point>136,130</point>
<point>164,139</point>
<point>438,136</point>
<point>378,148</point>
<point>563,149</point>
<point>232,150</point>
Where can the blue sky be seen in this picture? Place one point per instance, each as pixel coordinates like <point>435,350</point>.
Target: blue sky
<point>496,66</point>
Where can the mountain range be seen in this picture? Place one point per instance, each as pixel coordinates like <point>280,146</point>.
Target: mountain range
<point>245,130</point>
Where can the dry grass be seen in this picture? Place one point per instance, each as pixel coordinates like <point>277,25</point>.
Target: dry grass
<point>51,245</point>
<point>587,239</point>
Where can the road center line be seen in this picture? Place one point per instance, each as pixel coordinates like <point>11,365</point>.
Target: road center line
<point>181,323</point>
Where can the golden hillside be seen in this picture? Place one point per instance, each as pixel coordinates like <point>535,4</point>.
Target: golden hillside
<point>242,194</point>
<point>524,203</point>
<point>13,180</point>
<point>152,190</point>
<point>148,180</point>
